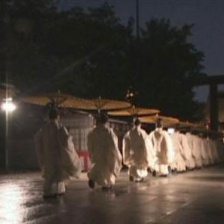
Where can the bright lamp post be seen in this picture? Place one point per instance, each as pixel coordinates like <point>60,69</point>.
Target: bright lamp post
<point>8,107</point>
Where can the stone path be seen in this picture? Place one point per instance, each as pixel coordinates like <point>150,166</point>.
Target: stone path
<point>195,197</point>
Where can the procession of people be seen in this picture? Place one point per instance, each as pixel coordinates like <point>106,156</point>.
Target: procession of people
<point>157,153</point>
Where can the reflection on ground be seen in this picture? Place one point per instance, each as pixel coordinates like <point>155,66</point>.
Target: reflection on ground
<point>192,197</point>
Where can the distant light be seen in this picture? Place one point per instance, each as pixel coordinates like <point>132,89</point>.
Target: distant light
<point>8,105</point>
<point>171,130</point>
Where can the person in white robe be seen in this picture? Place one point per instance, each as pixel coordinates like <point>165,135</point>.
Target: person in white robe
<point>197,151</point>
<point>195,147</point>
<point>163,149</point>
<point>178,163</point>
<point>187,152</point>
<point>137,152</point>
<point>57,157</point>
<point>104,154</point>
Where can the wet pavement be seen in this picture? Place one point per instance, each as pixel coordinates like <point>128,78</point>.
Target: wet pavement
<point>188,198</point>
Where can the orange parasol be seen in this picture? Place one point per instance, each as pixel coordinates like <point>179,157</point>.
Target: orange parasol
<point>100,104</point>
<point>59,99</point>
<point>134,111</point>
<point>167,121</point>
<point>185,124</point>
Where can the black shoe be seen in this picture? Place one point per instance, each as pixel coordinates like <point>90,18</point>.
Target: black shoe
<point>154,173</point>
<point>91,183</point>
<point>49,196</point>
<point>131,178</point>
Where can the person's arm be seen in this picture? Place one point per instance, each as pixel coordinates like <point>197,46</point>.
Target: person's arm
<point>68,156</point>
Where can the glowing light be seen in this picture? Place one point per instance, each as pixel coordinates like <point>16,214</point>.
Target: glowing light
<point>8,105</point>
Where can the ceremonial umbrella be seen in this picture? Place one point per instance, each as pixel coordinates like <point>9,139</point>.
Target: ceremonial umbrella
<point>58,99</point>
<point>167,121</point>
<point>194,127</point>
<point>134,111</point>
<point>185,124</point>
<point>101,104</point>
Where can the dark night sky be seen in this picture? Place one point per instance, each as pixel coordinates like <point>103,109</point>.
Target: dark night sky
<point>207,15</point>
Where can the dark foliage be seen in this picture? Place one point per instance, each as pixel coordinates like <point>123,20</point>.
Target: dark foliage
<point>90,54</point>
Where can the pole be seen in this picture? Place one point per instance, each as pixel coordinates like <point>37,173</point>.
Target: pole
<point>137,19</point>
<point>3,150</point>
<point>214,106</point>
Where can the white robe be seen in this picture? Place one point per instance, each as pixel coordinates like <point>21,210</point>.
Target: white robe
<point>187,151</point>
<point>137,152</point>
<point>178,163</point>
<point>57,157</point>
<point>104,155</point>
<point>163,149</point>
<point>195,145</point>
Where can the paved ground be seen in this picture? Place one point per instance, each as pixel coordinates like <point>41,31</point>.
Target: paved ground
<point>194,197</point>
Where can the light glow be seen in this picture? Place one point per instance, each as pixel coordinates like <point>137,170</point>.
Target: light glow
<point>8,105</point>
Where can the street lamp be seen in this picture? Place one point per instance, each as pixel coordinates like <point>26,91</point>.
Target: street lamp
<point>8,107</point>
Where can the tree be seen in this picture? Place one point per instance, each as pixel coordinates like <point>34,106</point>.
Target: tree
<point>77,51</point>
<point>100,43</point>
<point>22,51</point>
<point>89,53</point>
<point>165,66</point>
